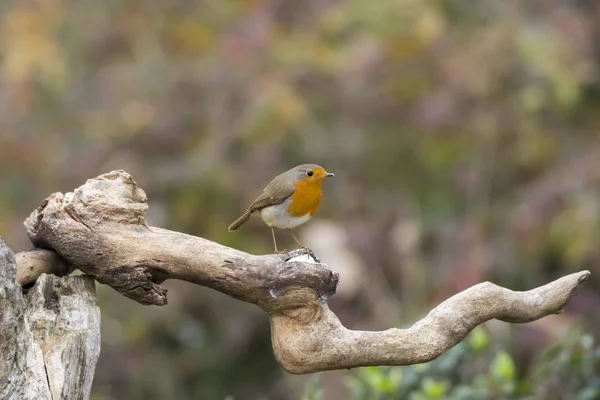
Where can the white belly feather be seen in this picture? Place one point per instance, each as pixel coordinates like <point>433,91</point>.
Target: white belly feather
<point>278,217</point>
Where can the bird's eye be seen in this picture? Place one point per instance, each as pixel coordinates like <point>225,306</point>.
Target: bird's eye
<point>309,173</point>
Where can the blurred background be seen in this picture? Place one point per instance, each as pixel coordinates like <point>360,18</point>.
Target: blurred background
<point>464,137</point>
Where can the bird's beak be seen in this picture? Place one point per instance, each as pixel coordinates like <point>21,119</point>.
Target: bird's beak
<point>329,174</point>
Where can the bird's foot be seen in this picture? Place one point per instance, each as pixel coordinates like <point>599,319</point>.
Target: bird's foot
<point>301,251</point>
<point>310,253</point>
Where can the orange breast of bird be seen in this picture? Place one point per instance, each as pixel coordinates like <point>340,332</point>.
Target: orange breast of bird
<point>306,198</point>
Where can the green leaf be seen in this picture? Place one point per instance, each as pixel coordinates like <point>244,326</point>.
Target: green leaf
<point>503,367</point>
<point>393,380</point>
<point>374,377</point>
<point>478,339</point>
<point>434,389</point>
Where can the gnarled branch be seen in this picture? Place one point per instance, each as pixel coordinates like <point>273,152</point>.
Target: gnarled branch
<point>100,228</point>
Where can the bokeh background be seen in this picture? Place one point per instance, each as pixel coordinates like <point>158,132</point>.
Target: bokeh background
<point>464,137</point>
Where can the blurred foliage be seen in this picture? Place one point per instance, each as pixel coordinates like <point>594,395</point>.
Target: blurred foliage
<point>463,135</point>
<point>478,370</point>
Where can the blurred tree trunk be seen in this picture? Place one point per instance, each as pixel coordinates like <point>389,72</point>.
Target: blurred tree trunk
<point>49,337</point>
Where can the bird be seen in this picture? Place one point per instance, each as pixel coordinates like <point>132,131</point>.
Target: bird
<point>288,201</point>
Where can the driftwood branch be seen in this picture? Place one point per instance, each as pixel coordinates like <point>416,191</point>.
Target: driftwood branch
<point>50,338</point>
<point>34,263</point>
<point>101,229</point>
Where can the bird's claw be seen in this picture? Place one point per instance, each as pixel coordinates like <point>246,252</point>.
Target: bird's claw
<point>302,250</point>
<point>310,253</point>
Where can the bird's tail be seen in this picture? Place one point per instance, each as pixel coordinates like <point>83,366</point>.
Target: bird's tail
<point>240,221</point>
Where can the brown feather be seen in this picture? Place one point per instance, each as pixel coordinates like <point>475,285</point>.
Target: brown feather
<point>275,193</point>
<point>240,221</point>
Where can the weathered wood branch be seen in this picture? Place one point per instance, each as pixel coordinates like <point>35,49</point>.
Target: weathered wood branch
<point>100,228</point>
<point>34,263</point>
<point>50,338</point>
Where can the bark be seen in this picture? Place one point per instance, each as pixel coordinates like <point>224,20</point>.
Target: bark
<point>100,228</point>
<point>50,337</point>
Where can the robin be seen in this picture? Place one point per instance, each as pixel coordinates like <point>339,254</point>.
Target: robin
<point>289,200</point>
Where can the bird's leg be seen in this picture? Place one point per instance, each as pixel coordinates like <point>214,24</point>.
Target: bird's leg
<point>274,241</point>
<point>296,239</point>
<point>308,251</point>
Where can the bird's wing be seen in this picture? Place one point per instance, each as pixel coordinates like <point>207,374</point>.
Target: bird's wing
<point>275,193</point>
